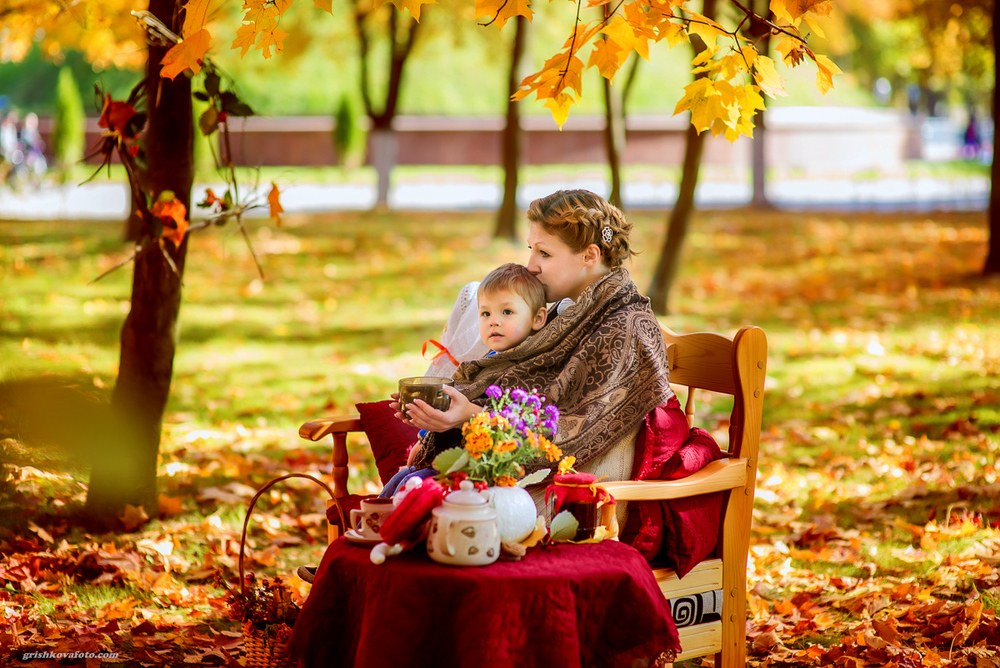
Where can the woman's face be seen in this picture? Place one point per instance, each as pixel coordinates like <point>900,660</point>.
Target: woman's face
<point>563,272</point>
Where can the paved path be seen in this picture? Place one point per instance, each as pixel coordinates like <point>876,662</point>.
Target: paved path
<point>108,201</point>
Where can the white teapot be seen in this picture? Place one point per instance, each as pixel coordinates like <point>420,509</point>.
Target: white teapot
<point>464,529</point>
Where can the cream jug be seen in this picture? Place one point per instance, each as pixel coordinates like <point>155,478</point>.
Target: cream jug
<point>464,529</point>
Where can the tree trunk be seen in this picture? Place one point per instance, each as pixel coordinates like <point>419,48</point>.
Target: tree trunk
<point>614,140</point>
<point>759,162</point>
<point>384,154</point>
<point>680,217</point>
<point>992,265</point>
<point>506,225</point>
<point>126,472</point>
<point>762,35</point>
<point>383,139</point>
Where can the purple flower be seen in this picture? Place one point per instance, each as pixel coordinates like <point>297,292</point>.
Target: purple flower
<point>494,392</point>
<point>552,412</point>
<point>550,425</point>
<point>519,396</point>
<point>533,401</point>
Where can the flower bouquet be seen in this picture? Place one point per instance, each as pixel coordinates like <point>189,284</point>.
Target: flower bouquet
<point>515,429</point>
<point>268,613</point>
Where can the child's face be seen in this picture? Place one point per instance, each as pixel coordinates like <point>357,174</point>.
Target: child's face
<point>505,319</point>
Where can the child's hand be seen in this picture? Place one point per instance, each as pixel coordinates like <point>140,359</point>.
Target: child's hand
<point>425,416</point>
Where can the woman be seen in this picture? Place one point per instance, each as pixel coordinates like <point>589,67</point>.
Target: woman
<point>601,359</point>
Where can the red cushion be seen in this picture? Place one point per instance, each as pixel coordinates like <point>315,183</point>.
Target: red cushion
<point>681,532</point>
<point>390,438</point>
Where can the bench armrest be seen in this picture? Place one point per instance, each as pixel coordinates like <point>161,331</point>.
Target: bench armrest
<point>720,475</point>
<point>315,430</point>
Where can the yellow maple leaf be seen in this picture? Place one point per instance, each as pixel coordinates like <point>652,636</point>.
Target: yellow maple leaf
<point>282,6</point>
<point>262,15</point>
<point>814,24</point>
<point>501,11</point>
<point>195,15</point>
<point>767,77</point>
<point>412,5</point>
<point>705,28</point>
<point>673,32</point>
<point>793,10</point>
<point>825,69</point>
<point>559,104</point>
<point>186,54</point>
<point>623,36</point>
<point>606,56</point>
<point>271,37</point>
<point>274,203</point>
<point>246,35</point>
<point>325,5</point>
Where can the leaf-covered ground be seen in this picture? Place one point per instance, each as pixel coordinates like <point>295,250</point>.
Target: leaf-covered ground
<point>876,536</point>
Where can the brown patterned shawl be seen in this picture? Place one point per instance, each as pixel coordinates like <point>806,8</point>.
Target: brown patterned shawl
<point>603,362</point>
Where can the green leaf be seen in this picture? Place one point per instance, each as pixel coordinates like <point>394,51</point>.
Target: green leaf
<point>563,526</point>
<point>532,478</point>
<point>451,460</point>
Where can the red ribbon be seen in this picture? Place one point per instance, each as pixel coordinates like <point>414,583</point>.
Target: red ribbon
<point>442,351</point>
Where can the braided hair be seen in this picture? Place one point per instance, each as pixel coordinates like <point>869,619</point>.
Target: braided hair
<point>580,218</point>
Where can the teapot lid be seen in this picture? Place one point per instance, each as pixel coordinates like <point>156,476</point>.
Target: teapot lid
<point>466,495</point>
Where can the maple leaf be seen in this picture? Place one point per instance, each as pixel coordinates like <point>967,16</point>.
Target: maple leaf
<point>793,10</point>
<point>559,105</point>
<point>246,35</point>
<point>825,69</point>
<point>325,5</point>
<point>195,15</point>
<point>271,37</point>
<point>413,6</point>
<point>274,202</point>
<point>501,11</point>
<point>173,214</point>
<point>705,28</point>
<point>186,54</point>
<point>767,77</point>
<point>607,57</point>
<point>623,36</point>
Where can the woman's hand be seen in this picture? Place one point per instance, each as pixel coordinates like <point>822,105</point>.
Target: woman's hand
<point>425,416</point>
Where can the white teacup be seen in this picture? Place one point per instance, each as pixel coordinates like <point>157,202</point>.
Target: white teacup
<point>367,521</point>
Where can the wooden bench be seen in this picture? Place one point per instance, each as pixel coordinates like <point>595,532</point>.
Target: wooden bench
<point>699,361</point>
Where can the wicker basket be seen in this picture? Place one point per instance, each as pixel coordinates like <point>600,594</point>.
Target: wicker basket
<point>262,651</point>
<point>265,653</point>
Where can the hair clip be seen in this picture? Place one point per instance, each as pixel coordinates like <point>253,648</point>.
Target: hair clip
<point>606,234</point>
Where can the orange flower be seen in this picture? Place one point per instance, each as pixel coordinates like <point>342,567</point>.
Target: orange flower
<point>173,214</point>
<point>115,116</point>
<point>566,465</point>
<point>506,446</point>
<point>505,481</point>
<point>552,452</point>
<point>477,443</point>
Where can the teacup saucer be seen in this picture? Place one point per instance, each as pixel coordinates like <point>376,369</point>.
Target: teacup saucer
<point>356,538</point>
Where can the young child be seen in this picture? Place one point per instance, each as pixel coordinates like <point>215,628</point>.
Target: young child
<point>511,308</point>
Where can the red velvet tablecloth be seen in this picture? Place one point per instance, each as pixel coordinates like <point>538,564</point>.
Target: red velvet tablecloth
<point>560,606</point>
